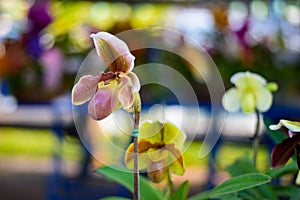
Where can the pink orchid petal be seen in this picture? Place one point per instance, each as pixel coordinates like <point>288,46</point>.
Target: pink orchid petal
<point>103,103</point>
<point>126,96</point>
<point>84,89</point>
<point>114,52</point>
<point>135,81</point>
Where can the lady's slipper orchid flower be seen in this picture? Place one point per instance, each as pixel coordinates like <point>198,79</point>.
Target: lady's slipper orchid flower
<point>159,150</point>
<point>283,151</point>
<point>251,92</point>
<point>110,90</point>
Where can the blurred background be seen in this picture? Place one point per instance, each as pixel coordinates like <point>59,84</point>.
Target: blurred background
<point>43,43</point>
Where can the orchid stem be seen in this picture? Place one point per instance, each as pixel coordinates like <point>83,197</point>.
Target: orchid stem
<point>136,192</point>
<point>256,138</point>
<point>170,182</point>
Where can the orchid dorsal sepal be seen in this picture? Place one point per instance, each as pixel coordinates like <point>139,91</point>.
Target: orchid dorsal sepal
<point>291,125</point>
<point>114,52</point>
<point>241,79</point>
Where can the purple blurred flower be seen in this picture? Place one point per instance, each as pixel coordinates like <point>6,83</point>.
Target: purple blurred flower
<point>38,19</point>
<point>52,62</point>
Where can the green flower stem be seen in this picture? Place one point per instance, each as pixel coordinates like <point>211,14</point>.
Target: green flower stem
<point>256,138</point>
<point>170,183</point>
<point>136,192</point>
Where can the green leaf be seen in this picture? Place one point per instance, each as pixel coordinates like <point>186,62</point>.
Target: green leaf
<point>287,169</point>
<point>261,192</point>
<point>241,166</point>
<point>235,184</point>
<point>200,196</point>
<point>125,178</point>
<point>239,183</point>
<point>292,191</point>
<point>230,197</point>
<point>244,166</point>
<point>182,191</point>
<point>250,194</point>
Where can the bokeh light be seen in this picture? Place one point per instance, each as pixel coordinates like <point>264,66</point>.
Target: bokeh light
<point>259,9</point>
<point>292,14</point>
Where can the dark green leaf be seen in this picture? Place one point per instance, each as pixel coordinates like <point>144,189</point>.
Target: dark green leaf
<point>250,194</point>
<point>241,166</point>
<point>266,192</point>
<point>244,166</point>
<point>261,192</point>
<point>230,197</point>
<point>287,169</point>
<point>182,191</point>
<point>239,183</point>
<point>292,191</point>
<point>235,184</point>
<point>200,196</point>
<point>125,178</point>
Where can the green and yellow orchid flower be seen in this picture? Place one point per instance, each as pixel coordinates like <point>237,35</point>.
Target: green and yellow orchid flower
<point>251,92</point>
<point>159,147</point>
